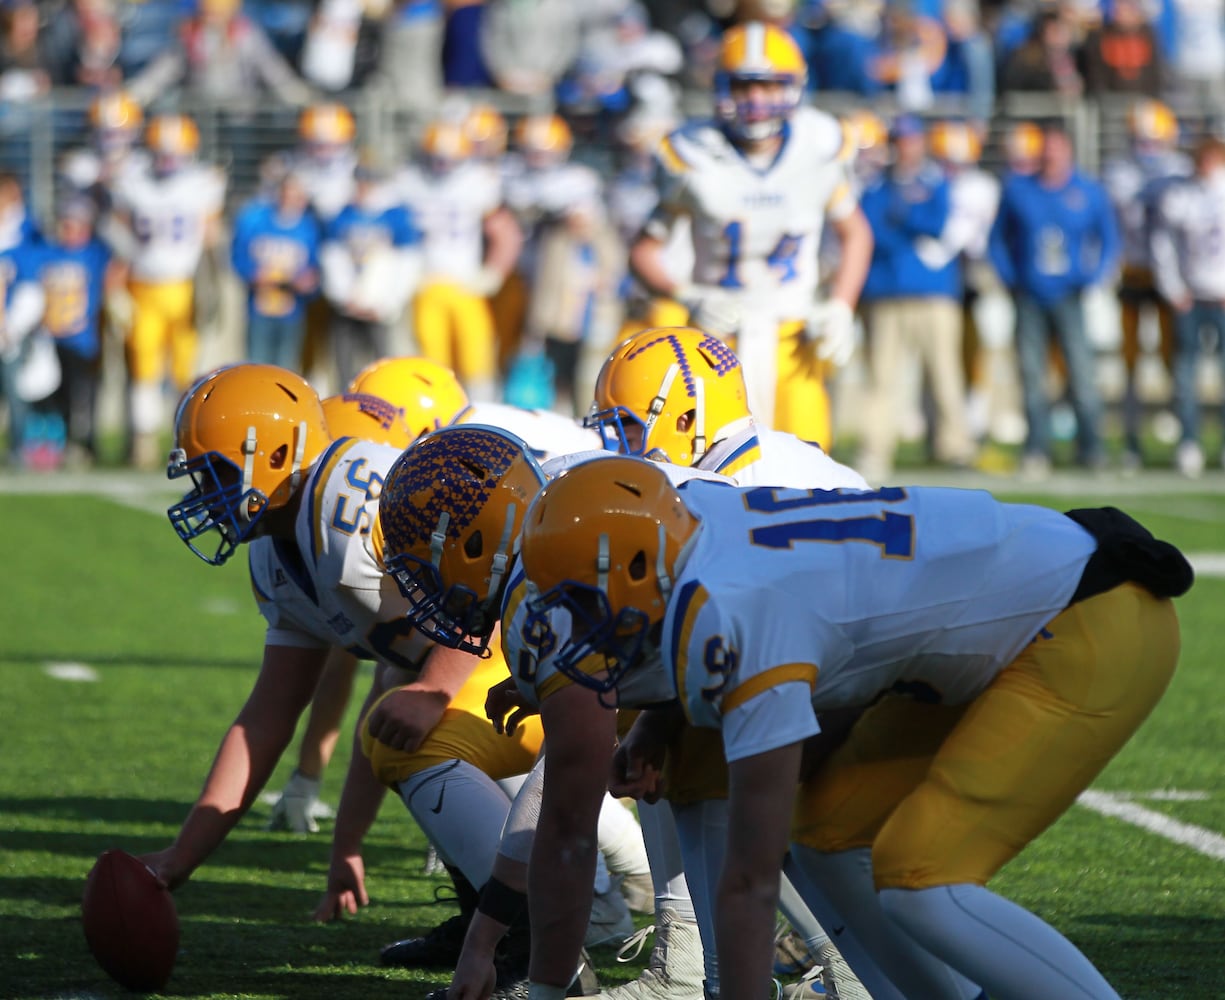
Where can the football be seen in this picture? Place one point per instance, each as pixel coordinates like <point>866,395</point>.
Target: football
<point>130,922</point>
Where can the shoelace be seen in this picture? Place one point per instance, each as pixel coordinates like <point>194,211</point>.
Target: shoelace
<point>633,945</point>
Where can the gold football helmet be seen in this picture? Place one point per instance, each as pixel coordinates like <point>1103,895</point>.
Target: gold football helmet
<point>450,514</point>
<point>1023,147</point>
<point>445,144</point>
<point>670,393</point>
<point>173,136</point>
<point>486,129</point>
<point>427,393</point>
<point>756,52</point>
<point>115,119</point>
<point>601,542</point>
<point>371,418</point>
<point>326,125</point>
<point>543,139</point>
<point>1152,125</point>
<point>955,142</point>
<point>246,435</point>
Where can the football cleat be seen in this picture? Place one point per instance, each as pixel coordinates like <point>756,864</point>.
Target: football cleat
<point>438,948</point>
<point>675,970</point>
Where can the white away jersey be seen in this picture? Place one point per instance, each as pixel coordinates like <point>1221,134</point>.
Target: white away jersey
<point>795,600</point>
<point>546,433</point>
<point>329,588</point>
<point>974,200</point>
<point>758,456</point>
<point>756,230</point>
<point>168,217</point>
<point>1134,186</point>
<point>1188,240</point>
<point>450,211</point>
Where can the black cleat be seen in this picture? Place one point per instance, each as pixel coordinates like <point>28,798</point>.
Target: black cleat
<point>440,948</point>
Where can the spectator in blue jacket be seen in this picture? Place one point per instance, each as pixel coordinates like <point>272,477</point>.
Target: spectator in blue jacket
<point>370,266</point>
<point>911,308</point>
<point>73,269</point>
<point>1055,235</point>
<point>275,251</point>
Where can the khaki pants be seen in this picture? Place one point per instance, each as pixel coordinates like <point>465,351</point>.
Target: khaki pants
<point>898,329</point>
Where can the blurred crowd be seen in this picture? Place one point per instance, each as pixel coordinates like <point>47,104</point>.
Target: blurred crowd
<point>492,245</point>
<point>301,50</point>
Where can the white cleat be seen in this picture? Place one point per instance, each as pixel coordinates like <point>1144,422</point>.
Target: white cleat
<point>675,971</point>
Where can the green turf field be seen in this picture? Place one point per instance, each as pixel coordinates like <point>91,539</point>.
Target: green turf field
<point>175,645</point>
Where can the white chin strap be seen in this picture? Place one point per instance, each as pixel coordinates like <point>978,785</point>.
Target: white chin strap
<point>501,558</point>
<point>661,568</point>
<point>603,563</point>
<point>299,450</point>
<point>438,538</point>
<point>658,403</point>
<point>249,447</point>
<point>699,422</point>
<point>661,399</point>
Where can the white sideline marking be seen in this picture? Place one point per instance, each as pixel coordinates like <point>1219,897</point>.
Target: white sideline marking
<point>80,672</point>
<point>1117,806</point>
<point>1173,795</point>
<point>1207,563</point>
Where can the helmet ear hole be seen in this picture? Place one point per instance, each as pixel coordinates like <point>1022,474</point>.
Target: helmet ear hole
<point>474,545</point>
<point>277,459</point>
<point>638,567</point>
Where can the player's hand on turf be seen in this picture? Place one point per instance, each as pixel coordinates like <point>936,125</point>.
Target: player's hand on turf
<point>346,890</point>
<point>505,707</point>
<point>475,977</point>
<point>404,718</point>
<point>166,866</point>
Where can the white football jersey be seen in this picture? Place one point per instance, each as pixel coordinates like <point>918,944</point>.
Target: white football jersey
<point>794,600</point>
<point>546,433</point>
<point>328,586</point>
<point>758,456</point>
<point>756,229</point>
<point>168,217</point>
<point>1133,185</point>
<point>1188,240</point>
<point>533,194</point>
<point>974,199</point>
<point>450,212</point>
<point>329,183</point>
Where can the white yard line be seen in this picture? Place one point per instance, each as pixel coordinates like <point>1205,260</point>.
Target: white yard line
<point>1118,806</point>
<point>78,672</point>
<point>1207,563</point>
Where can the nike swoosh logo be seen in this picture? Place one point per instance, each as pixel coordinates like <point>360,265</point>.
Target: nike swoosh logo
<point>436,809</point>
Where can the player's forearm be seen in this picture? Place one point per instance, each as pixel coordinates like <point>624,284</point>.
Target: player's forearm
<point>560,878</point>
<point>646,261</point>
<point>744,929</point>
<point>503,241</point>
<point>361,796</point>
<point>855,236</point>
<point>244,762</point>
